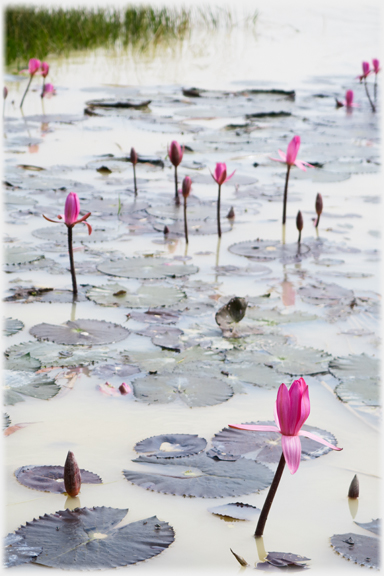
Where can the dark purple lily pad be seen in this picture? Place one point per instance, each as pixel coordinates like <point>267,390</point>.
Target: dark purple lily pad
<point>282,560</point>
<point>236,510</point>
<point>87,538</point>
<point>266,446</point>
<point>373,526</point>
<point>172,445</point>
<point>201,477</point>
<point>81,332</point>
<point>166,337</point>
<point>268,250</point>
<point>363,550</point>
<point>50,478</point>
<point>191,388</point>
<point>155,316</point>
<point>146,268</point>
<point>17,551</point>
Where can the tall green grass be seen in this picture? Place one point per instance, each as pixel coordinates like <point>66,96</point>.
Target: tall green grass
<point>32,31</point>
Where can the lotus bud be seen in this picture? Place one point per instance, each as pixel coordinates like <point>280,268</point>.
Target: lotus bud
<point>44,67</point>
<point>125,389</point>
<point>133,156</point>
<point>354,488</point>
<point>72,209</point>
<point>72,476</point>
<point>33,66</point>
<point>376,65</point>
<point>319,204</point>
<point>231,213</point>
<point>175,153</point>
<point>299,221</point>
<point>166,230</point>
<point>5,92</point>
<point>187,183</point>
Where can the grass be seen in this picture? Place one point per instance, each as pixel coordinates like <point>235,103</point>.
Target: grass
<point>32,31</point>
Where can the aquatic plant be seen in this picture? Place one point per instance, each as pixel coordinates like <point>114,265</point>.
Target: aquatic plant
<point>187,183</point>
<point>290,159</point>
<point>299,225</point>
<point>376,69</point>
<point>71,218</point>
<point>220,176</point>
<point>348,102</point>
<point>133,158</point>
<point>292,409</point>
<point>33,67</point>
<point>363,78</point>
<point>48,90</point>
<point>175,153</point>
<point>5,94</point>
<point>319,208</point>
<point>72,475</point>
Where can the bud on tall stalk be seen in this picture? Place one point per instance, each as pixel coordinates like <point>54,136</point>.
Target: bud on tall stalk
<point>319,208</point>
<point>72,476</point>
<point>299,224</point>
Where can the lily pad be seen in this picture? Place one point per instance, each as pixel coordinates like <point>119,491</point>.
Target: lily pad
<point>6,421</point>
<point>283,560</point>
<point>12,326</point>
<point>201,477</point>
<point>198,228</point>
<point>325,294</point>
<point>50,478</point>
<point>25,363</point>
<point>19,384</point>
<point>155,316</point>
<point>17,551</point>
<point>166,337</point>
<point>373,526</point>
<point>360,379</point>
<point>87,538</point>
<point>236,510</point>
<point>20,255</point>
<point>191,389</point>
<point>268,250</point>
<point>258,374</point>
<point>118,370</point>
<point>299,361</point>
<point>266,446</point>
<point>146,268</point>
<point>81,332</point>
<point>363,550</point>
<point>147,295</point>
<point>172,445</point>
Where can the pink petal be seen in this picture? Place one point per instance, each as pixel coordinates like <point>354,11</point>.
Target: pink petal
<point>83,218</point>
<point>257,427</point>
<point>300,165</point>
<point>283,409</point>
<point>293,149</point>
<point>229,177</point>
<point>72,208</point>
<point>278,160</point>
<point>317,439</point>
<point>292,451</point>
<point>50,220</point>
<point>282,155</point>
<point>295,394</point>
<point>89,228</point>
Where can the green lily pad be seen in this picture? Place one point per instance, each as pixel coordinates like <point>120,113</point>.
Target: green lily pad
<point>274,316</point>
<point>81,332</point>
<point>172,445</point>
<point>146,268</point>
<point>20,255</point>
<point>166,337</point>
<point>148,295</point>
<point>19,384</point>
<point>12,326</point>
<point>268,250</point>
<point>87,538</point>
<point>201,477</point>
<point>299,361</point>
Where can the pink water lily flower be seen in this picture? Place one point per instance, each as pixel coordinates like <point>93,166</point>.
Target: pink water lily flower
<point>292,409</point>
<point>376,65</point>
<point>44,69</point>
<point>48,90</point>
<point>290,157</point>
<point>348,102</point>
<point>71,213</point>
<point>366,71</point>
<point>33,66</point>
<point>220,174</point>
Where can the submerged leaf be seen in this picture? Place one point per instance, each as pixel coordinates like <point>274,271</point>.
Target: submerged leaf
<point>87,538</point>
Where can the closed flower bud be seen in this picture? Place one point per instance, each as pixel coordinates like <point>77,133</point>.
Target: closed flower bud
<point>133,156</point>
<point>187,183</point>
<point>5,92</point>
<point>44,69</point>
<point>72,209</point>
<point>72,476</point>
<point>166,230</point>
<point>231,213</point>
<point>125,389</point>
<point>299,221</point>
<point>354,488</point>
<point>175,153</point>
<point>319,204</point>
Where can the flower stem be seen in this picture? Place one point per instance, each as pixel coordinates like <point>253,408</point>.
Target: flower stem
<point>71,262</point>
<point>134,179</point>
<point>270,496</point>
<point>375,88</point>
<point>286,194</point>
<point>177,199</point>
<point>26,90</point>
<point>185,221</point>
<point>369,98</point>
<point>218,213</point>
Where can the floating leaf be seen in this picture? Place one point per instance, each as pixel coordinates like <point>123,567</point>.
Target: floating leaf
<point>373,526</point>
<point>360,379</point>
<point>81,332</point>
<point>18,552</point>
<point>268,250</point>
<point>87,538</point>
<point>50,478</point>
<point>118,370</point>
<point>326,294</point>
<point>166,337</point>
<point>190,388</point>
<point>299,361</point>
<point>23,362</point>
<point>19,384</point>
<point>258,374</point>
<point>6,421</point>
<point>201,476</point>
<point>195,227</point>
<point>282,560</point>
<point>237,510</point>
<point>20,255</point>
<point>172,445</point>
<point>12,326</point>
<point>147,295</point>
<point>146,268</point>
<point>363,550</point>
<point>155,316</point>
<point>266,446</point>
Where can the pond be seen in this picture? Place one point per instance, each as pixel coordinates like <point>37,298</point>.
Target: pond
<point>312,312</point>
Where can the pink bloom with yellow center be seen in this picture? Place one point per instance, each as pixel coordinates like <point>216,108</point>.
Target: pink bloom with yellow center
<point>292,409</point>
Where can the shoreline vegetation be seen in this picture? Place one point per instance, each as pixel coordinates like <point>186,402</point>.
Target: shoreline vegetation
<point>31,30</point>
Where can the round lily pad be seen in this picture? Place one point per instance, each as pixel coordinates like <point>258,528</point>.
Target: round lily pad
<point>20,255</point>
<point>166,337</point>
<point>146,268</point>
<point>360,379</point>
<point>322,293</point>
<point>236,510</point>
<point>266,446</point>
<point>172,445</point>
<point>145,296</point>
<point>19,384</point>
<point>87,538</point>
<point>363,550</point>
<point>299,361</point>
<point>17,552</point>
<point>50,478</point>
<point>195,227</point>
<point>12,326</point>
<point>268,250</point>
<point>258,374</point>
<point>201,477</point>
<point>119,370</point>
<point>81,332</point>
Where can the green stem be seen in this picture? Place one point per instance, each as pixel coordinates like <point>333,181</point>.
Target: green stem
<point>177,199</point>
<point>270,496</point>
<point>71,262</point>
<point>25,93</point>
<point>185,221</point>
<point>369,98</point>
<point>286,193</point>
<point>218,213</point>
<point>134,179</point>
